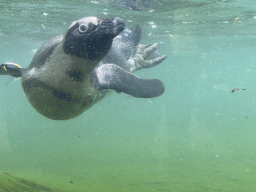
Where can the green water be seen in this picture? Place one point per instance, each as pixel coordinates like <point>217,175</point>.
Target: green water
<point>198,136</point>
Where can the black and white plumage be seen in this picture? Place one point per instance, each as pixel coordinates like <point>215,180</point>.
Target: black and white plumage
<point>71,72</point>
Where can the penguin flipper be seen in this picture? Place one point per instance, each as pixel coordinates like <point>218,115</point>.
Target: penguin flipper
<point>110,76</point>
<point>131,36</point>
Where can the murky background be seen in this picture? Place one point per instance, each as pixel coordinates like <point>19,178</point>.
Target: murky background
<point>198,136</point>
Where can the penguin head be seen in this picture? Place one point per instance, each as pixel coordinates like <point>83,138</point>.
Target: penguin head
<point>91,37</point>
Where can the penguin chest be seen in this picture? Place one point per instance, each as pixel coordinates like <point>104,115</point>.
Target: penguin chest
<point>61,88</point>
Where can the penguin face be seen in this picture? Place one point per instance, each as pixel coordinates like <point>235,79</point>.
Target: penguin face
<point>91,37</point>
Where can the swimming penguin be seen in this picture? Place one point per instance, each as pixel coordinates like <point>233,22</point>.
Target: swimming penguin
<point>68,74</point>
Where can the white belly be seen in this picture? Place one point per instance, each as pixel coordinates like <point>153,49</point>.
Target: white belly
<point>60,89</point>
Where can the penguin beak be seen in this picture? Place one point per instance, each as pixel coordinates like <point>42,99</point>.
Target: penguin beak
<point>119,25</point>
<point>112,26</point>
<point>92,37</point>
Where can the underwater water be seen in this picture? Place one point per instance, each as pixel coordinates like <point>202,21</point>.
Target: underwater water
<point>197,136</point>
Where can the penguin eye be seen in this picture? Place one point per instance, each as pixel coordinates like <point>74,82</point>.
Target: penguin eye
<point>82,28</point>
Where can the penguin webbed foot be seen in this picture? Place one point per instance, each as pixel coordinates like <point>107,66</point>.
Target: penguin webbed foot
<point>11,69</point>
<point>147,56</point>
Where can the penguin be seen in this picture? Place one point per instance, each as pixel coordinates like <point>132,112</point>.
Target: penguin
<point>69,73</point>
